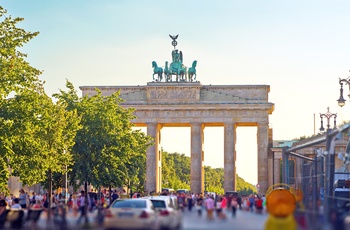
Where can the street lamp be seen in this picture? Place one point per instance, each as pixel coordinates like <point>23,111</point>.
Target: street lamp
<point>328,115</point>
<point>341,100</point>
<point>329,159</point>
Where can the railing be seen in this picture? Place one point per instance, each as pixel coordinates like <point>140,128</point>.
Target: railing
<point>315,178</point>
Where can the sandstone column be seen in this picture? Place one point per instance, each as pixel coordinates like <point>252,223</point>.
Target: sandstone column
<point>152,160</point>
<point>276,171</point>
<point>197,176</point>
<point>263,156</point>
<point>229,157</point>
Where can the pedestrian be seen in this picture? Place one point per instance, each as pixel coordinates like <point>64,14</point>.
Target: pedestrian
<point>181,201</point>
<point>209,205</point>
<point>223,207</point>
<point>22,198</point>
<point>189,202</point>
<point>15,204</point>
<point>251,202</point>
<point>199,203</point>
<point>3,213</point>
<point>33,199</point>
<point>115,196</point>
<point>81,205</point>
<point>264,203</point>
<point>239,202</point>
<point>234,204</point>
<point>258,205</point>
<point>218,208</point>
<point>75,206</point>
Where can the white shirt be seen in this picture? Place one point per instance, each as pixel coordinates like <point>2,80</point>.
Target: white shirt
<point>82,201</point>
<point>16,206</point>
<point>218,205</point>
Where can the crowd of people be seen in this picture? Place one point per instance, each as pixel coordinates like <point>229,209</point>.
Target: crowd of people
<point>78,204</point>
<point>219,203</point>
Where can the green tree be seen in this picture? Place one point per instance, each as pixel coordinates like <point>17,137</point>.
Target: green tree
<point>16,76</point>
<point>176,170</point>
<point>40,130</point>
<point>107,151</point>
<point>31,124</point>
<point>245,188</point>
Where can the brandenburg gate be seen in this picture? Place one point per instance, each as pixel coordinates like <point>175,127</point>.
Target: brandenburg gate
<point>191,104</point>
<point>174,98</point>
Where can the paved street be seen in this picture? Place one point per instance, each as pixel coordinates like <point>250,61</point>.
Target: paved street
<point>191,221</point>
<point>243,221</point>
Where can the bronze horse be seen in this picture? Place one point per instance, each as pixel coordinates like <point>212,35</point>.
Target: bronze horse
<point>192,72</point>
<point>157,70</point>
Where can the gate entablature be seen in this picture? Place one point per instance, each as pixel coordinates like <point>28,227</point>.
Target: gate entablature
<point>188,93</point>
<point>188,102</point>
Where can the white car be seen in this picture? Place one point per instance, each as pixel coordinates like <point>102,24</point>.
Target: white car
<point>170,217</point>
<point>131,214</point>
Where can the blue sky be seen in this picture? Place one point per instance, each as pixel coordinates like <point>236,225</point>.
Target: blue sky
<point>299,48</point>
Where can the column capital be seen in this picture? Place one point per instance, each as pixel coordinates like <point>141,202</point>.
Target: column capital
<point>261,124</point>
<point>196,123</point>
<point>228,123</point>
<point>151,123</point>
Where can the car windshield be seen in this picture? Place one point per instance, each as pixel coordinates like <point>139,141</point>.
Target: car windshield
<point>181,191</point>
<point>129,204</point>
<point>158,203</point>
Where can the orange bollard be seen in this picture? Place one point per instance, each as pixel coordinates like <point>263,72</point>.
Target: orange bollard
<point>280,204</point>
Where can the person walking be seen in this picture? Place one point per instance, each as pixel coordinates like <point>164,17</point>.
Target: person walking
<point>22,199</point>
<point>199,203</point>
<point>189,202</point>
<point>219,208</point>
<point>81,205</point>
<point>3,213</point>
<point>223,207</point>
<point>234,205</point>
<point>239,201</point>
<point>209,205</point>
<point>251,202</point>
<point>258,205</point>
<point>114,197</point>
<point>15,204</point>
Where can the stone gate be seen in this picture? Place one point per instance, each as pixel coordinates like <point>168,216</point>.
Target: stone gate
<point>191,104</point>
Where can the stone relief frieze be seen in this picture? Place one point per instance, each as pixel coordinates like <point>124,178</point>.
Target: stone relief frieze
<point>173,93</point>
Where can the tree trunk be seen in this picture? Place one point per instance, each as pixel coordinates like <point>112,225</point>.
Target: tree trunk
<point>49,200</point>
<point>99,206</point>
<point>86,203</point>
<point>110,194</point>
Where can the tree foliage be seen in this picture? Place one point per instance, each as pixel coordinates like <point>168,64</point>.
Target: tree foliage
<point>176,170</point>
<point>107,151</point>
<point>16,74</point>
<point>34,129</point>
<point>40,131</point>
